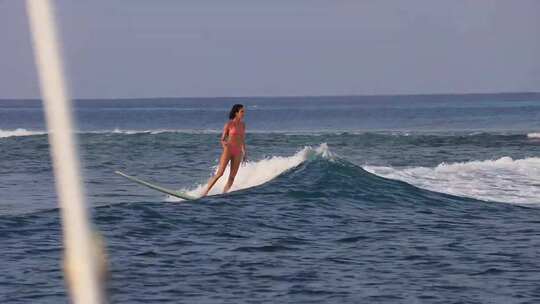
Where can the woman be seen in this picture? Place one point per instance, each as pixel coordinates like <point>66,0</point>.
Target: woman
<point>234,147</point>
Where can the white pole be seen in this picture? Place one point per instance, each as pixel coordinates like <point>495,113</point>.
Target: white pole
<point>81,264</point>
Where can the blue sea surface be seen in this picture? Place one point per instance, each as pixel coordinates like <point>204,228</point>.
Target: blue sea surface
<point>375,199</point>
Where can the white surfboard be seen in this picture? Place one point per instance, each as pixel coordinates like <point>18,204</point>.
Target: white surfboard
<point>174,193</point>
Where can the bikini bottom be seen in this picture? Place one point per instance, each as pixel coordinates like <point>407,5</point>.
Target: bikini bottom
<point>235,150</point>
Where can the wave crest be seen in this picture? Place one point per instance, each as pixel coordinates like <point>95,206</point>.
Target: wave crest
<point>156,131</point>
<point>502,180</point>
<point>255,173</point>
<point>19,132</point>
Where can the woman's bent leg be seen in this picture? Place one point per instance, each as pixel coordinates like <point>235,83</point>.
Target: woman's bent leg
<point>223,162</point>
<point>235,164</point>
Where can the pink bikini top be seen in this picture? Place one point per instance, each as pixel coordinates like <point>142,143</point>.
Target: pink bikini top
<point>236,130</point>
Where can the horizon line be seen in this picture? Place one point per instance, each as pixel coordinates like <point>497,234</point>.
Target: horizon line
<point>287,96</point>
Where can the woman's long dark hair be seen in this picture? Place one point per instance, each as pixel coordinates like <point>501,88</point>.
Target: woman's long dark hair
<point>235,110</point>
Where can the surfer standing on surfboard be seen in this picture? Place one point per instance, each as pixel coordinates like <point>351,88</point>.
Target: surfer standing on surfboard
<point>234,147</point>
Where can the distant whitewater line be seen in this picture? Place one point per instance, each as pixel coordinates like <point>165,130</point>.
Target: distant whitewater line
<point>24,132</point>
<point>501,180</point>
<point>19,132</point>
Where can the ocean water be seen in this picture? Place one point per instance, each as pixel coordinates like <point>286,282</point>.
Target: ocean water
<point>397,199</point>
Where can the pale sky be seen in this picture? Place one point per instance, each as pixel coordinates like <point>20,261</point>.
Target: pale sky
<point>204,48</point>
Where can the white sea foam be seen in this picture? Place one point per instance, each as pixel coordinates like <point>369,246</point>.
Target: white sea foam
<point>119,131</point>
<point>255,173</point>
<point>502,180</point>
<point>533,135</point>
<point>157,131</point>
<point>24,132</point>
<point>19,132</point>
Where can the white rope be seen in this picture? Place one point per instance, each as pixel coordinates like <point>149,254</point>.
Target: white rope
<point>79,251</point>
